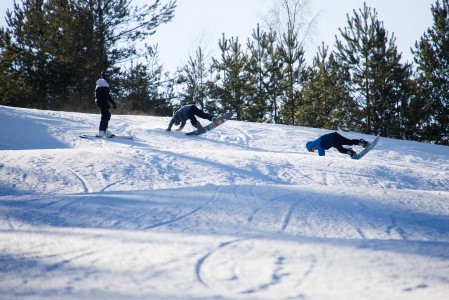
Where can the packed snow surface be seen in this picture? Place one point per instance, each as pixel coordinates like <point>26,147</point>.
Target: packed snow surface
<point>241,212</point>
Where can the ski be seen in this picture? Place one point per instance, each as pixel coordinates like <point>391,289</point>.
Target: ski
<point>87,136</point>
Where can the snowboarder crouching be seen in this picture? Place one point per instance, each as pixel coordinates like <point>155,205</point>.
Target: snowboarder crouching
<point>335,140</point>
<point>188,112</point>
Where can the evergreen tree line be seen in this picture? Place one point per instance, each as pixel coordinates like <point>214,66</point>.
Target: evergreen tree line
<point>53,51</point>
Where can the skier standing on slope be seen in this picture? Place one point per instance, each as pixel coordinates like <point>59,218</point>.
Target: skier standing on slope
<point>102,99</point>
<point>188,112</point>
<point>335,140</point>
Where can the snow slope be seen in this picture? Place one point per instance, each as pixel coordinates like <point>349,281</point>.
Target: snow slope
<point>242,212</point>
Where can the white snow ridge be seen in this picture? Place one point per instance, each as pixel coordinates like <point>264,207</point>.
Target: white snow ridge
<point>242,212</point>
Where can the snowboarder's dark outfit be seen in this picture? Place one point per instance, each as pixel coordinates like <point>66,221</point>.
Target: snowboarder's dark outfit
<point>188,112</point>
<point>335,140</point>
<point>102,99</point>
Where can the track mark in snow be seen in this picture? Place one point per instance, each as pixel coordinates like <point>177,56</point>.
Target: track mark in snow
<point>201,261</point>
<point>279,273</point>
<point>361,208</point>
<point>419,286</point>
<point>288,216</point>
<point>275,278</point>
<point>238,191</point>
<point>109,186</point>
<point>360,232</point>
<point>83,181</point>
<point>256,211</point>
<point>243,137</point>
<point>233,269</point>
<point>183,216</point>
<point>62,263</point>
<point>309,178</point>
<point>394,227</point>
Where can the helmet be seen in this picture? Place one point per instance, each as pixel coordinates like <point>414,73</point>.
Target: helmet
<point>309,146</point>
<point>105,75</point>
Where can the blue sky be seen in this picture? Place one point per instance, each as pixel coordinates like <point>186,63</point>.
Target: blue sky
<point>202,22</point>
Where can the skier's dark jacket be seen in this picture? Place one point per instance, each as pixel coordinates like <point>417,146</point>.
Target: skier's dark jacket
<point>181,116</point>
<point>102,96</point>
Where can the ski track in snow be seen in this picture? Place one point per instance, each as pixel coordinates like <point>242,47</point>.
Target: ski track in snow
<point>242,212</point>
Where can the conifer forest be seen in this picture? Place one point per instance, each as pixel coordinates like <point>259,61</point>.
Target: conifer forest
<point>53,51</point>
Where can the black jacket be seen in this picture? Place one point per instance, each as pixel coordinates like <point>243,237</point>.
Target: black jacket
<point>102,95</point>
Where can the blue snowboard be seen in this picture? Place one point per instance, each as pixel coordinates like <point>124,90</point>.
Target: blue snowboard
<point>367,149</point>
<point>220,120</point>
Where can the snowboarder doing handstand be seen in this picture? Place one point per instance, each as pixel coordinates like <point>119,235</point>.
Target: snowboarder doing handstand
<point>335,140</point>
<point>102,99</point>
<point>188,112</point>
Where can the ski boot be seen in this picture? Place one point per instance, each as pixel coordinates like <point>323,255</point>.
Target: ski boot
<point>105,133</point>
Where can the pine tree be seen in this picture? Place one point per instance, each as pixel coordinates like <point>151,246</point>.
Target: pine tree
<point>140,87</point>
<point>232,88</point>
<point>290,19</point>
<point>59,47</point>
<point>379,82</point>
<point>292,55</point>
<point>195,75</point>
<point>22,59</point>
<point>432,59</point>
<point>257,108</point>
<point>274,85</point>
<point>136,96</point>
<point>326,99</point>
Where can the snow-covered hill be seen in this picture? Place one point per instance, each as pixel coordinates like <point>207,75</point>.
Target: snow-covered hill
<point>242,212</point>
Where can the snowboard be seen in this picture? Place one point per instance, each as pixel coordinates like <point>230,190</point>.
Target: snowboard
<point>220,120</point>
<point>93,136</point>
<point>367,149</point>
